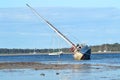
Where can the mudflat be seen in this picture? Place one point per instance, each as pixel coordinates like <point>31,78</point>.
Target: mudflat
<point>34,65</point>
<point>38,66</point>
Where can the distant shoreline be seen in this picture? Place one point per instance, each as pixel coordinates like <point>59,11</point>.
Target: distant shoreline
<point>28,54</point>
<point>48,53</point>
<point>106,52</point>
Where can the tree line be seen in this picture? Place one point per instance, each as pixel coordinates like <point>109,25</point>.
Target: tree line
<point>30,51</point>
<point>106,47</point>
<point>95,48</point>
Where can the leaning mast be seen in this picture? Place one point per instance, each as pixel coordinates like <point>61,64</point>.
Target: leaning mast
<point>51,26</point>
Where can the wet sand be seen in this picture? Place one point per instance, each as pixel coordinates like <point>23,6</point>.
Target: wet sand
<point>34,65</point>
<point>38,66</point>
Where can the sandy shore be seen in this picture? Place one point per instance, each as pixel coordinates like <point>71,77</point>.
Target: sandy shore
<point>34,65</point>
<point>37,66</point>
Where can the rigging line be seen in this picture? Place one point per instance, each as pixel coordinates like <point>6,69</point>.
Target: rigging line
<point>52,43</point>
<point>57,41</point>
<point>74,37</point>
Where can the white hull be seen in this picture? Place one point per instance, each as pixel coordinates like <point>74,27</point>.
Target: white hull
<point>55,53</point>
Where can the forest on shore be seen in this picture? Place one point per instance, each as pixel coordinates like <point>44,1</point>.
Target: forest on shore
<point>96,48</point>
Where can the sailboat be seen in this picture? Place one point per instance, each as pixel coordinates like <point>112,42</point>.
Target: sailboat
<point>53,51</point>
<point>80,52</point>
<point>56,53</point>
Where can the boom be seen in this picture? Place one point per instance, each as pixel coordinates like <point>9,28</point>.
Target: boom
<point>51,26</point>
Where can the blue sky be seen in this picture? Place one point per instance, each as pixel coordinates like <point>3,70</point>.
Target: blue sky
<point>83,21</point>
<point>61,3</point>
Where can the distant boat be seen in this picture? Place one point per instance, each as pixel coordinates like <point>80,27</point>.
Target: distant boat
<point>34,51</point>
<point>99,51</point>
<point>80,52</point>
<point>56,53</point>
<point>104,50</point>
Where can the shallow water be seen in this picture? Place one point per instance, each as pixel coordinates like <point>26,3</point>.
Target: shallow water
<point>100,67</point>
<point>73,74</point>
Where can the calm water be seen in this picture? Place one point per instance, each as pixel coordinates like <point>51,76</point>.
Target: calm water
<point>100,67</point>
